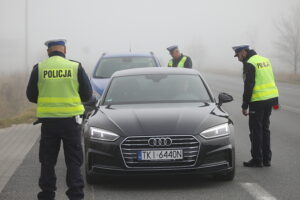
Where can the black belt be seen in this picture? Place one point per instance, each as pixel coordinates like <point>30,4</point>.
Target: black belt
<point>51,120</point>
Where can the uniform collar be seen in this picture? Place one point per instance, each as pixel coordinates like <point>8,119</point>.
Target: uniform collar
<point>179,57</point>
<point>249,55</point>
<point>57,53</point>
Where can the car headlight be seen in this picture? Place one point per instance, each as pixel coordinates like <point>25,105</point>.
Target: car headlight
<point>215,132</point>
<point>104,135</point>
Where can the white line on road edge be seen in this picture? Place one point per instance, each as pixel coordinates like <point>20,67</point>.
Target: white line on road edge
<point>93,193</point>
<point>291,109</point>
<point>257,192</point>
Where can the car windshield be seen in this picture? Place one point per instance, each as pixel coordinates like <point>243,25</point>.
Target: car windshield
<point>156,88</point>
<point>108,66</point>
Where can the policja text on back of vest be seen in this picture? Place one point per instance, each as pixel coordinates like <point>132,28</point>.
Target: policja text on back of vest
<point>57,73</point>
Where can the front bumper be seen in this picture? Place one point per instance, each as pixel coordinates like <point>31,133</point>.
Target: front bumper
<point>105,158</point>
<point>221,167</point>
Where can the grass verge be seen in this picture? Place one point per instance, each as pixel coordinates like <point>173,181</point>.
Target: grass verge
<point>28,116</point>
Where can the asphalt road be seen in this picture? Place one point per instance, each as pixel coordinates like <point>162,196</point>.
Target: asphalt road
<point>281,181</point>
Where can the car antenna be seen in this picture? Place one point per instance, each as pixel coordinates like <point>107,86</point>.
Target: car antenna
<point>130,46</point>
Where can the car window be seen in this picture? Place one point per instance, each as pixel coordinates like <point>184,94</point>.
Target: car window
<point>108,66</point>
<point>157,88</point>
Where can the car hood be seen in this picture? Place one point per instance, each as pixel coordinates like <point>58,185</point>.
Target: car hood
<point>99,84</point>
<point>162,119</point>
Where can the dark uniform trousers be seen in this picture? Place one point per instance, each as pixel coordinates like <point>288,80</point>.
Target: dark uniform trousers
<point>259,123</point>
<point>52,133</point>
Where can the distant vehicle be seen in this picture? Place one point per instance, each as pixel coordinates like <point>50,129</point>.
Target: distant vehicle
<point>159,121</point>
<point>110,63</point>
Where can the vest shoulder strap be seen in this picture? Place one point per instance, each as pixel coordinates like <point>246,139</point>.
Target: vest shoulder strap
<point>170,63</point>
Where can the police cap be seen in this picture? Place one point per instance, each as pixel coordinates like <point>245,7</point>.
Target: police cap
<point>239,48</point>
<point>172,48</point>
<point>55,42</point>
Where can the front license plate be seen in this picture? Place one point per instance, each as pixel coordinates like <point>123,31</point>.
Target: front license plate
<point>174,154</point>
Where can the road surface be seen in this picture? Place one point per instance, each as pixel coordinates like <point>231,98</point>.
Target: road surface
<point>281,181</point>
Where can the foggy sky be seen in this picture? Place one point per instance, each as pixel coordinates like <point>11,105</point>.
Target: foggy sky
<point>96,26</point>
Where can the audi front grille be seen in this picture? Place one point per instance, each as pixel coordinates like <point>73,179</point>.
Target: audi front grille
<point>131,145</point>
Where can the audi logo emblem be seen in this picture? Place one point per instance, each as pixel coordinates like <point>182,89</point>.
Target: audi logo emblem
<point>160,142</point>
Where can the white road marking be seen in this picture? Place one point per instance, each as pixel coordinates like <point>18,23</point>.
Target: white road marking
<point>257,192</point>
<point>93,193</point>
<point>291,109</point>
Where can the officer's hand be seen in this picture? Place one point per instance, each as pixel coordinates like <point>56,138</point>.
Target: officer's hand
<point>245,112</point>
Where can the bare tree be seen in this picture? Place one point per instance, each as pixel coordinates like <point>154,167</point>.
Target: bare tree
<point>196,50</point>
<point>252,37</point>
<point>288,43</point>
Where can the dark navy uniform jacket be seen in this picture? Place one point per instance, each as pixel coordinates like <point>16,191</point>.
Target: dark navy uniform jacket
<point>188,63</point>
<point>249,82</point>
<point>85,88</point>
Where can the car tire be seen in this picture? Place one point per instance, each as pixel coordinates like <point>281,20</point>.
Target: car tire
<point>227,176</point>
<point>90,178</point>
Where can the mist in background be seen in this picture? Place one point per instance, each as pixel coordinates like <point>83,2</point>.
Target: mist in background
<point>205,30</point>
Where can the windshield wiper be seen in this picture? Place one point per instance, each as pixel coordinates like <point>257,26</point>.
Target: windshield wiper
<point>204,104</point>
<point>108,106</point>
<point>101,77</point>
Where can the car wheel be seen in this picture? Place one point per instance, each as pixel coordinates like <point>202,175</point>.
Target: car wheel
<point>228,176</point>
<point>90,178</point>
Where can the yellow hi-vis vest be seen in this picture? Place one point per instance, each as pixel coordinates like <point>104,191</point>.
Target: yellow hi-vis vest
<point>265,87</point>
<point>58,89</point>
<point>180,64</point>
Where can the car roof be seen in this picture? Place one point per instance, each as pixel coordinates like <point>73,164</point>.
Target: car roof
<point>155,70</point>
<point>128,55</point>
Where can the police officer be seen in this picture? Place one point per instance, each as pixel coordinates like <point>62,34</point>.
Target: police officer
<point>178,59</point>
<point>260,94</point>
<point>59,86</point>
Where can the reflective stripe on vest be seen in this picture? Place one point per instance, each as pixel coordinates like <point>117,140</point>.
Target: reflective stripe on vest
<point>58,89</point>
<point>180,64</point>
<point>265,87</point>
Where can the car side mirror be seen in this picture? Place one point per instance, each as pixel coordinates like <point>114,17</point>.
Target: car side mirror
<point>91,104</point>
<point>224,98</point>
<point>93,101</point>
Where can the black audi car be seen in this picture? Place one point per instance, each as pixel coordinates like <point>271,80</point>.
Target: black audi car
<point>159,121</point>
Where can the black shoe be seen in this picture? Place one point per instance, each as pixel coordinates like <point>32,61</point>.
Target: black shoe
<point>253,163</point>
<point>267,163</point>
